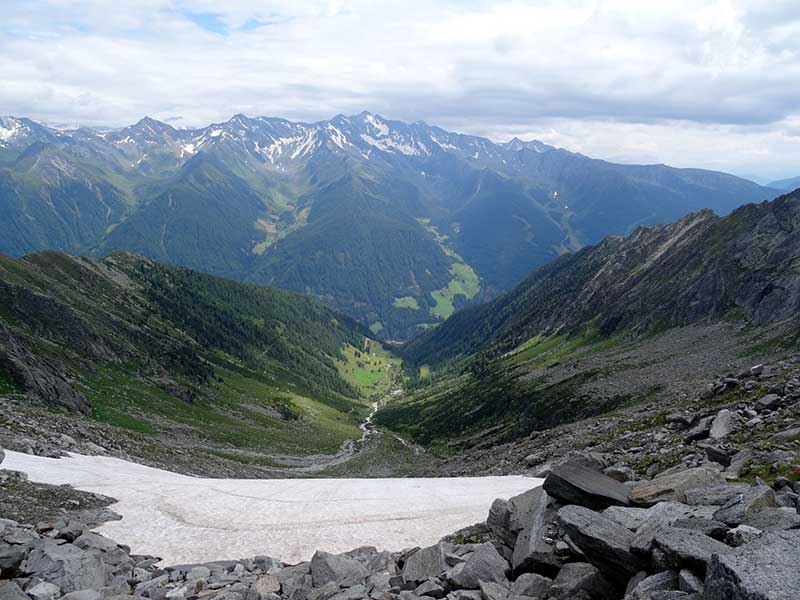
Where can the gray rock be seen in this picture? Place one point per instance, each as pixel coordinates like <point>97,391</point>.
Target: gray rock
<point>774,519</point>
<point>716,495</point>
<point>666,580</point>
<point>532,550</point>
<point>700,431</point>
<point>83,595</point>
<point>722,425</point>
<point>2,455</point>
<point>683,549</point>
<point>111,553</point>
<point>709,527</point>
<point>769,402</point>
<point>331,568</point>
<point>425,563</point>
<point>674,486</point>
<point>577,580</point>
<point>432,588</point>
<point>492,591</point>
<point>574,483</point>
<point>621,473</point>
<point>11,557</point>
<point>605,543</point>
<point>11,591</point>
<point>745,504</point>
<point>521,507</point>
<point>532,585</point>
<point>44,591</point>
<point>267,584</point>
<point>499,521</point>
<point>465,595</point>
<point>662,516</point>
<point>65,565</point>
<point>786,435</point>
<point>629,517</point>
<point>485,564</point>
<point>787,498</point>
<point>768,568</point>
<point>689,582</point>
<point>741,535</point>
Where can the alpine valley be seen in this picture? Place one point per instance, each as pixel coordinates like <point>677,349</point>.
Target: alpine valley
<point>395,224</point>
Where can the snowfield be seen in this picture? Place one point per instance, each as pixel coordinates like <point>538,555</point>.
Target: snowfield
<point>188,519</point>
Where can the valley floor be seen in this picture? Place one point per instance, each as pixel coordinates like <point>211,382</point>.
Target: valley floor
<point>190,519</point>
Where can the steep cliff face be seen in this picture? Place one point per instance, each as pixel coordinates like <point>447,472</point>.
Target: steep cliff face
<point>701,267</point>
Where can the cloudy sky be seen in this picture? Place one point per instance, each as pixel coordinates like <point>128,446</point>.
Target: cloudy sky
<point>711,83</point>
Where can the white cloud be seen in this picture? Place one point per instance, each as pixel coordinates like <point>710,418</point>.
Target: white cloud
<point>715,82</point>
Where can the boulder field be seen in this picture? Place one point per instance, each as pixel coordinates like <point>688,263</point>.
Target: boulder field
<point>686,534</point>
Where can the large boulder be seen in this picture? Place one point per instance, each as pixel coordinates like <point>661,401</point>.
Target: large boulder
<point>425,563</point>
<point>659,582</point>
<point>580,580</point>
<point>673,487</point>
<point>684,549</point>
<point>531,585</point>
<point>333,568</point>
<point>774,519</point>
<point>605,543</point>
<point>533,549</point>
<point>745,504</point>
<point>766,569</point>
<point>574,483</point>
<point>11,591</point>
<point>65,565</point>
<point>722,424</point>
<point>484,564</point>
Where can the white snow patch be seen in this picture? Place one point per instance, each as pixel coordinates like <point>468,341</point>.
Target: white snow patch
<point>391,145</point>
<point>216,133</point>
<point>378,125</point>
<point>188,149</point>
<point>337,137</point>
<point>188,520</point>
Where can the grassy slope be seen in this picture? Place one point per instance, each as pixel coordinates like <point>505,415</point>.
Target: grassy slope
<point>279,372</point>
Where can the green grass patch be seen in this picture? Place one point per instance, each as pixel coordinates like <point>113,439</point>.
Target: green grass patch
<point>234,410</point>
<point>371,369</point>
<point>465,283</point>
<point>376,327</point>
<point>406,302</point>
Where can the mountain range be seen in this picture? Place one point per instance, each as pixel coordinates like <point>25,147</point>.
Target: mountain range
<point>396,224</point>
<point>786,185</point>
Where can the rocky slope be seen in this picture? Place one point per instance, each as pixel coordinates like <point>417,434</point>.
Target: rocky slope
<point>702,267</point>
<point>635,321</point>
<point>585,535</point>
<point>394,223</point>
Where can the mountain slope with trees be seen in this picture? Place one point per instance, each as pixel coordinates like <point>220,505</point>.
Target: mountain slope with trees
<point>455,218</point>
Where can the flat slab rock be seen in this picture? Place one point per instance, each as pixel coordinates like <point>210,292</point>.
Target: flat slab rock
<point>766,569</point>
<point>673,487</point>
<point>574,483</point>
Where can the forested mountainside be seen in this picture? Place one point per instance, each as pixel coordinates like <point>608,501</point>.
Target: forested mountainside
<point>396,224</point>
<point>624,293</point>
<point>179,355</point>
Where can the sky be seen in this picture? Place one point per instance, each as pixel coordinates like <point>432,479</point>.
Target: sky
<point>705,83</point>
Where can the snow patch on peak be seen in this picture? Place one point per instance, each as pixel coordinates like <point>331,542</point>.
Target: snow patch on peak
<point>9,128</point>
<point>378,125</point>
